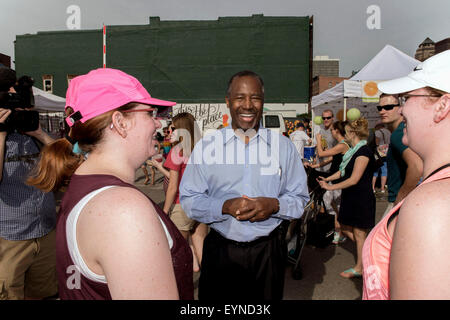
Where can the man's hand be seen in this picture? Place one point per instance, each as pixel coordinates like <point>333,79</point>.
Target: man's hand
<point>40,135</point>
<point>252,209</point>
<point>233,206</point>
<point>4,114</point>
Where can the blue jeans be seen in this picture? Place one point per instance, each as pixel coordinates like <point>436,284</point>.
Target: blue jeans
<point>383,170</point>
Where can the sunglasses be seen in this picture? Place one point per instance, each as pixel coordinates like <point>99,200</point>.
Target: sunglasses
<point>327,118</point>
<point>387,107</point>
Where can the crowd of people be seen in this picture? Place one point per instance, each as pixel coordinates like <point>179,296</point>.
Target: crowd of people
<point>229,196</point>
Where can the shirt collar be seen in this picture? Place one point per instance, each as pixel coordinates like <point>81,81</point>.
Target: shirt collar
<point>264,137</point>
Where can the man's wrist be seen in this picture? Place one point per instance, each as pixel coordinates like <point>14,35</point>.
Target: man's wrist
<point>42,137</point>
<point>225,206</point>
<point>276,206</point>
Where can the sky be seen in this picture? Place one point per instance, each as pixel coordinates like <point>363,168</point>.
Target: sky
<point>350,30</point>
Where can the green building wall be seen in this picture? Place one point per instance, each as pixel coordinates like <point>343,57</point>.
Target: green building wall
<point>184,61</point>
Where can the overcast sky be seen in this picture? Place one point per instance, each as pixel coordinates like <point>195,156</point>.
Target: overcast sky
<point>340,26</point>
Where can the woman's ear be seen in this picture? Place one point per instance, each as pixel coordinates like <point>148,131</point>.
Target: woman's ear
<point>119,123</point>
<point>442,108</point>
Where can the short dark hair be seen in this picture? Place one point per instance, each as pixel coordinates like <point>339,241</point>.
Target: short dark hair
<point>7,79</point>
<point>245,73</point>
<point>383,95</point>
<point>340,126</point>
<point>328,110</point>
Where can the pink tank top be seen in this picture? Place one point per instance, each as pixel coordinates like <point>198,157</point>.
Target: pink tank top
<point>377,251</point>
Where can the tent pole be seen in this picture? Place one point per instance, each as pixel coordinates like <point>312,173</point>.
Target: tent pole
<point>49,124</point>
<point>345,108</point>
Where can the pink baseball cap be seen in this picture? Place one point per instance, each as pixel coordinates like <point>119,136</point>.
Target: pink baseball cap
<point>105,89</point>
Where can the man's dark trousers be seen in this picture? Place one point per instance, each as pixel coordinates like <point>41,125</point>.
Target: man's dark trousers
<point>243,270</point>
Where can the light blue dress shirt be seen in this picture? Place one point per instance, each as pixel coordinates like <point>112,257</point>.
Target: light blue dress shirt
<point>223,167</point>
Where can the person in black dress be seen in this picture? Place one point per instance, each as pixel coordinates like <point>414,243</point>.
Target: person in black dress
<point>357,211</point>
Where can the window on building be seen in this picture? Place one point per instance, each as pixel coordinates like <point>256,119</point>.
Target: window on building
<point>70,77</point>
<point>47,83</point>
<point>272,121</point>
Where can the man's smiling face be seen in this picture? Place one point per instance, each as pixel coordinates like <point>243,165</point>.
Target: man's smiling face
<point>245,101</point>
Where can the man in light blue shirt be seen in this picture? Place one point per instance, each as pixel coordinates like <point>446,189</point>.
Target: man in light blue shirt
<point>244,181</point>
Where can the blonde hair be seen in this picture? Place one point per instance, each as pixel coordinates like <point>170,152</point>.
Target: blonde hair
<point>435,91</point>
<point>360,127</point>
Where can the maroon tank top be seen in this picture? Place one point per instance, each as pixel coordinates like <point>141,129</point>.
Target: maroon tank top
<point>75,286</point>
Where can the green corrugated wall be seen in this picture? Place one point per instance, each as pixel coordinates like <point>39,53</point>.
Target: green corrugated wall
<point>184,61</point>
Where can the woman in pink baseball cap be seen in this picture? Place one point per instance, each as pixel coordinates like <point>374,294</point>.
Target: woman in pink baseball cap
<point>113,242</point>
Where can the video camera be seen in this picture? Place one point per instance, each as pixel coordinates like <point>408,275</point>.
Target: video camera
<point>18,120</point>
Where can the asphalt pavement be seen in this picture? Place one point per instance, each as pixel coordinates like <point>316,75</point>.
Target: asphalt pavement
<point>320,267</point>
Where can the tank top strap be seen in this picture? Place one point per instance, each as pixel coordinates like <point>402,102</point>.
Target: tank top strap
<point>437,174</point>
<point>440,173</point>
<point>344,142</point>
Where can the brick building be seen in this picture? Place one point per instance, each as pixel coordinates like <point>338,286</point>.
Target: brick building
<point>442,45</point>
<point>325,74</point>
<point>322,83</point>
<point>425,50</point>
<point>5,60</point>
<point>324,66</point>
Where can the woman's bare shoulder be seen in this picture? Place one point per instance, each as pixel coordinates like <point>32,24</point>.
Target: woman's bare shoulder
<point>421,233</point>
<point>428,201</point>
<point>426,208</point>
<point>118,206</point>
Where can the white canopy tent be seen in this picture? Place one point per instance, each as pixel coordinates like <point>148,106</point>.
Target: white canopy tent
<point>51,111</point>
<point>44,101</point>
<point>388,64</point>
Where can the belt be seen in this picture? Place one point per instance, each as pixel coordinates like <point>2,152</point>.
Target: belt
<point>26,158</point>
<point>275,232</point>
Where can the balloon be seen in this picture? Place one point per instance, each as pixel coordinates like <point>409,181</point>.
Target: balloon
<point>353,114</point>
<point>318,120</point>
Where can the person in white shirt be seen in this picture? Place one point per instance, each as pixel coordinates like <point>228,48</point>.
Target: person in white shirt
<point>299,138</point>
